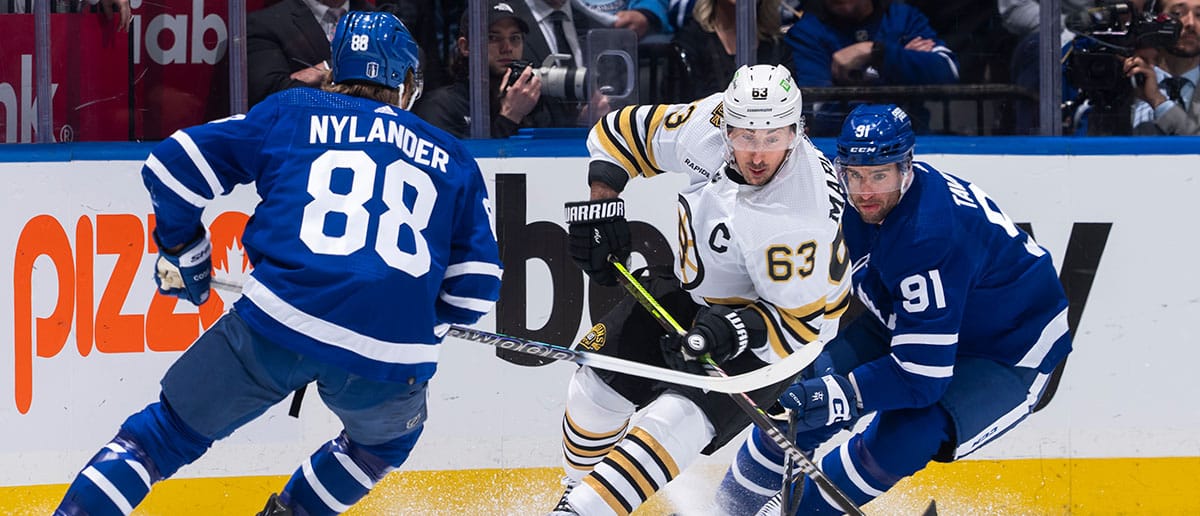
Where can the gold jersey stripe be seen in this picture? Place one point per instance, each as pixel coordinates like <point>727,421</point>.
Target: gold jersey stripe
<point>738,301</point>
<point>628,129</point>
<point>836,309</point>
<point>773,333</point>
<point>615,151</point>
<point>653,124</point>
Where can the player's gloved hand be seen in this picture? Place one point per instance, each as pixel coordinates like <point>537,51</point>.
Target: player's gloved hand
<point>187,273</point>
<point>820,402</point>
<point>718,332</point>
<point>598,229</point>
<point>672,352</point>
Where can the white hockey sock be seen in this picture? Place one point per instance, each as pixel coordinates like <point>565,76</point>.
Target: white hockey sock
<point>595,419</point>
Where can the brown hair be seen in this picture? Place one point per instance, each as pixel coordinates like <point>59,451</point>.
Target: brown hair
<point>368,90</point>
<point>767,18</point>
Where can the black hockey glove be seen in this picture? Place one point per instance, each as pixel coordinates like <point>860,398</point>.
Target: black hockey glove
<point>598,229</point>
<point>673,355</point>
<point>718,332</point>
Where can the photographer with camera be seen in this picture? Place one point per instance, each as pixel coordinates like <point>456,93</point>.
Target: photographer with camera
<point>1166,92</point>
<point>514,87</point>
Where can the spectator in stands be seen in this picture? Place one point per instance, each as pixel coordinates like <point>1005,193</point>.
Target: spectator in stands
<point>974,30</point>
<point>866,43</point>
<point>420,17</point>
<point>514,101</point>
<point>287,44</point>
<point>108,7</point>
<point>554,31</point>
<point>1167,99</point>
<point>643,17</point>
<point>707,46</point>
<point>1022,18</point>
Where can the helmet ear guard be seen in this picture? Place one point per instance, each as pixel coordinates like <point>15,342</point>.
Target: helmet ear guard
<point>376,48</point>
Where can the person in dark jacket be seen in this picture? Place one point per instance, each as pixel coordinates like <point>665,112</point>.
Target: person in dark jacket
<point>515,100</point>
<point>707,46</point>
<point>287,44</point>
<point>866,43</point>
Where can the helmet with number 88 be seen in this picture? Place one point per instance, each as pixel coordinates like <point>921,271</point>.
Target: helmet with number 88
<point>376,48</point>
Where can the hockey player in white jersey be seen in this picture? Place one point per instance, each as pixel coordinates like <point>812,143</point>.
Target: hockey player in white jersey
<point>965,321</point>
<point>759,274</point>
<point>371,238</point>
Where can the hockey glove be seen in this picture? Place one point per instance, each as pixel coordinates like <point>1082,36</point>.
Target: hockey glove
<point>718,332</point>
<point>187,273</point>
<point>673,355</point>
<point>598,229</point>
<point>821,402</point>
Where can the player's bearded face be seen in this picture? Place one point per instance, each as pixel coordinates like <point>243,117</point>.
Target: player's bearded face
<point>874,189</point>
<point>758,153</point>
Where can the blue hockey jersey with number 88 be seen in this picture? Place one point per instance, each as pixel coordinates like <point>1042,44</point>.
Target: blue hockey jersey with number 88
<point>372,234</point>
<point>949,274</point>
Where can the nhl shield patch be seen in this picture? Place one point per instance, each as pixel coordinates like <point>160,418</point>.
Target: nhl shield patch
<point>594,339</point>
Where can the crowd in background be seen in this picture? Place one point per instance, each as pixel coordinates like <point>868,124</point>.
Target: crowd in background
<point>688,49</point>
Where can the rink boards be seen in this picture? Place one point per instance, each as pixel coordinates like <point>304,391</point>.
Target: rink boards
<point>90,340</point>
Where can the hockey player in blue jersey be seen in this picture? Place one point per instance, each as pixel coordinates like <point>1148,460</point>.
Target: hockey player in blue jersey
<point>372,237</point>
<point>965,320</point>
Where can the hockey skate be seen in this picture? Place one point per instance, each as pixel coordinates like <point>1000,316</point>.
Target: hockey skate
<point>563,508</point>
<point>275,507</point>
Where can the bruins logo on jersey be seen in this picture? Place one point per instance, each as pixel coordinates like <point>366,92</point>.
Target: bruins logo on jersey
<point>690,267</point>
<point>594,340</point>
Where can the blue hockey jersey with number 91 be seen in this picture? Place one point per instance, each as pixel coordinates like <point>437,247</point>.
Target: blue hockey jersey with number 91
<point>372,234</point>
<point>949,274</point>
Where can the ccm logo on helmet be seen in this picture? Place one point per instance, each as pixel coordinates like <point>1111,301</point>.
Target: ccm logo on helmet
<point>861,149</point>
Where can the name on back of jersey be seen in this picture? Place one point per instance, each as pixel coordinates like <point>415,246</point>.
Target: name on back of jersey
<point>326,129</point>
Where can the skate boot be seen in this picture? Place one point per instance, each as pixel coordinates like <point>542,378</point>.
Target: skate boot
<point>275,507</point>
<point>563,508</point>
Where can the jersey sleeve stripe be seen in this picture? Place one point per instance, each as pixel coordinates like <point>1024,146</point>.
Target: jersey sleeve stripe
<point>799,329</point>
<point>198,159</point>
<point>334,335</point>
<point>738,301</point>
<point>774,334</point>
<point>929,339</point>
<point>1050,334</point>
<point>924,370</point>
<point>482,268</point>
<point>653,123</point>
<point>808,311</point>
<point>628,128</point>
<point>837,308</point>
<point>608,140</point>
<point>468,303</point>
<point>164,176</point>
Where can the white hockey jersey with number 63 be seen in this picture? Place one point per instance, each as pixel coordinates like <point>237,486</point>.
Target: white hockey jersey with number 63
<point>777,246</point>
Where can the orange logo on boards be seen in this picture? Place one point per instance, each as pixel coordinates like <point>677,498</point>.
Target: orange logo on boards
<point>101,325</point>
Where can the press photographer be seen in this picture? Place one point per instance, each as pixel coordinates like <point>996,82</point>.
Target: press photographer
<point>515,92</point>
<point>559,77</point>
<point>1111,38</point>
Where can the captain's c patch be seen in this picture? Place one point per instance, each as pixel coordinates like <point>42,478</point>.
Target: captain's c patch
<point>594,339</point>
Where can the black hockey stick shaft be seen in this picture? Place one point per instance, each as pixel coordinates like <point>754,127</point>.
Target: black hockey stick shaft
<point>743,401</point>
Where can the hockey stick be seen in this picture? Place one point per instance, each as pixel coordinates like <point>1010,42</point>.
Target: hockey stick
<point>743,401</point>
<point>758,379</point>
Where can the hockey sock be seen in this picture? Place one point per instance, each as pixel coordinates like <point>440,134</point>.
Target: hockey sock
<point>595,419</point>
<point>665,439</point>
<point>151,445</point>
<point>342,472</point>
<point>755,475</point>
<point>895,445</point>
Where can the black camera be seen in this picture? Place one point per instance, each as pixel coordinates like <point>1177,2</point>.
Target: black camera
<point>1107,34</point>
<point>560,77</point>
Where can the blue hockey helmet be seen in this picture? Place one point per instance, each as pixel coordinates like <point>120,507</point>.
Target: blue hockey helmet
<point>875,135</point>
<point>376,47</point>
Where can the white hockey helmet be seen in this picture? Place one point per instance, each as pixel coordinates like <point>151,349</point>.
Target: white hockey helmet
<point>762,97</point>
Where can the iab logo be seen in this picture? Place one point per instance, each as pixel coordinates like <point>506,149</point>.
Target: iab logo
<point>103,326</point>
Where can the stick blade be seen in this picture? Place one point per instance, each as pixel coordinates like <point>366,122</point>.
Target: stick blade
<point>931,509</point>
